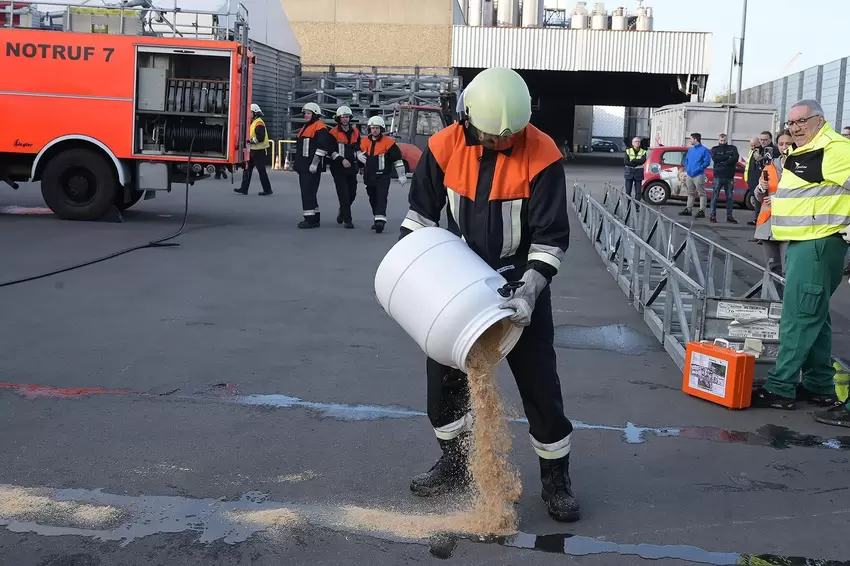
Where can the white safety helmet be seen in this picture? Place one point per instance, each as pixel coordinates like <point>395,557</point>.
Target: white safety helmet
<point>343,111</point>
<point>377,121</point>
<point>312,107</point>
<point>497,102</point>
<point>255,108</point>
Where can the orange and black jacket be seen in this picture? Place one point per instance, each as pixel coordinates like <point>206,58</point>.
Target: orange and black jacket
<point>382,156</point>
<point>509,206</point>
<point>346,145</point>
<point>313,139</point>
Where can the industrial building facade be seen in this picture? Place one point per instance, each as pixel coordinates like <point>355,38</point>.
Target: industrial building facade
<point>568,60</point>
<point>827,84</point>
<point>374,33</point>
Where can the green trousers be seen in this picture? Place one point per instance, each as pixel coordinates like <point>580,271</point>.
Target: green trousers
<point>813,272</point>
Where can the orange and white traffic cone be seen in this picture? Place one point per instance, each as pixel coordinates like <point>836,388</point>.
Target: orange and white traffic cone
<point>277,163</point>
<point>286,164</point>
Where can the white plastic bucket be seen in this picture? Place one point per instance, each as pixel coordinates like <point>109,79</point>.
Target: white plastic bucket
<point>442,294</point>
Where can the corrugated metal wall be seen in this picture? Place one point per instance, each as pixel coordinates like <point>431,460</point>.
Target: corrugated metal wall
<point>829,84</point>
<point>272,88</point>
<point>550,49</point>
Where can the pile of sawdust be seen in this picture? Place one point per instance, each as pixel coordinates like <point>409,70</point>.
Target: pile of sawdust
<point>303,476</point>
<point>20,504</point>
<point>268,517</point>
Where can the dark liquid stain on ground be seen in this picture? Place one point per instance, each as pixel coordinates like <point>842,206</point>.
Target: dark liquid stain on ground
<point>442,546</point>
<point>617,338</point>
<point>773,436</point>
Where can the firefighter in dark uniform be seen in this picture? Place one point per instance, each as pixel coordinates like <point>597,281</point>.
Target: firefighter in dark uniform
<point>344,164</point>
<point>506,192</point>
<point>379,154</point>
<point>259,143</point>
<point>635,159</point>
<point>312,145</point>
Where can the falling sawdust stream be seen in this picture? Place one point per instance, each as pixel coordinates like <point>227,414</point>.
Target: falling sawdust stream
<point>496,483</point>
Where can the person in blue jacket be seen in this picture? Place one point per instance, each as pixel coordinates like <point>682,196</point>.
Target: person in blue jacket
<point>697,161</point>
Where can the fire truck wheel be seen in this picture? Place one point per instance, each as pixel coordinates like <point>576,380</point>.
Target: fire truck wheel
<point>135,197</point>
<point>79,184</point>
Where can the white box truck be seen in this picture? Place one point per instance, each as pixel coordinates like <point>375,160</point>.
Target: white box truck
<point>672,125</point>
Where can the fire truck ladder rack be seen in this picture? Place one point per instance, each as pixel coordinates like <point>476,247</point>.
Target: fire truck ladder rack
<point>686,286</point>
<point>375,92</point>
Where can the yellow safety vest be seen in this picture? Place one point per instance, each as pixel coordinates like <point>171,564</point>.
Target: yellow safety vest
<point>631,153</point>
<point>813,197</point>
<point>747,166</point>
<point>263,143</point>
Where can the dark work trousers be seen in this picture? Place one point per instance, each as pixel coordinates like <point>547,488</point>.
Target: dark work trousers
<point>532,361</point>
<point>722,184</point>
<point>309,190</point>
<point>258,162</point>
<point>378,195</point>
<point>346,191</point>
<point>637,184</point>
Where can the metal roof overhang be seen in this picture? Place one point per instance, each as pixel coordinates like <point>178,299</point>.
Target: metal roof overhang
<point>556,49</point>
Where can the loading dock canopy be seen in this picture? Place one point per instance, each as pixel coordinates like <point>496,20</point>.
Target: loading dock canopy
<point>555,49</point>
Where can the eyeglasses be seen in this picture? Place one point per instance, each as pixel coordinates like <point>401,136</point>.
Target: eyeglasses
<point>801,122</point>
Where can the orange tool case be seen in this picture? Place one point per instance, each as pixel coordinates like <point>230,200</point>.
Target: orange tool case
<point>719,374</point>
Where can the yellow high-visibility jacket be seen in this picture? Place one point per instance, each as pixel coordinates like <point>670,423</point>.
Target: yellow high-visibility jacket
<point>813,197</point>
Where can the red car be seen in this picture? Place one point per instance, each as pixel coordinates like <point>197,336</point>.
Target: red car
<point>663,179</point>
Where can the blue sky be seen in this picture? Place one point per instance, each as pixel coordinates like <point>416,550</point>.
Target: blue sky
<point>776,31</point>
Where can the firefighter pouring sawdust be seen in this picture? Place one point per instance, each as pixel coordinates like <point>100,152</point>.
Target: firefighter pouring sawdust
<point>505,187</point>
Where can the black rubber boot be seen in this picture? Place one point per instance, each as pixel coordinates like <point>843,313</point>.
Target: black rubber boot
<point>557,491</point>
<point>448,474</point>
<point>827,400</point>
<point>318,218</point>
<point>308,222</point>
<point>379,226</point>
<point>339,217</point>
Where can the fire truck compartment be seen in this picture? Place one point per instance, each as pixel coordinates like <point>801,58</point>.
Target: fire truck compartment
<point>182,102</point>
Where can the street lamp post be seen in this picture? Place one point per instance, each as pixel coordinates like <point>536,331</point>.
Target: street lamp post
<point>731,70</point>
<point>741,54</point>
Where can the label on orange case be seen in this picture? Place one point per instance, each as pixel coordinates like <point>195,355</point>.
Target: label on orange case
<point>708,374</point>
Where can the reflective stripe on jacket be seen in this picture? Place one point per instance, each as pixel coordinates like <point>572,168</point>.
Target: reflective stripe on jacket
<point>634,163</point>
<point>813,197</point>
<point>382,156</point>
<point>313,139</point>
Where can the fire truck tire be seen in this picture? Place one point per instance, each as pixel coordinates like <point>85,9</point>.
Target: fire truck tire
<point>135,197</point>
<point>79,184</point>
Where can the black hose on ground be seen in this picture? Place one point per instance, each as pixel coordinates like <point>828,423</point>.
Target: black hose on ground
<point>160,243</point>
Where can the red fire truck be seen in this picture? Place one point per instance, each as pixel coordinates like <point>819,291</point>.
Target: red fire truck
<point>120,103</point>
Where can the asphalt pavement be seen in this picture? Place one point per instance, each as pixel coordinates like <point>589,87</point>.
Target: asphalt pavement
<point>243,399</point>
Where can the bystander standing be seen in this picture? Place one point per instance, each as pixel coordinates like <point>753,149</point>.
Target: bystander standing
<point>811,210</point>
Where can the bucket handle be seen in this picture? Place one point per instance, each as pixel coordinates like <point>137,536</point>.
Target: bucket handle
<point>508,289</point>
